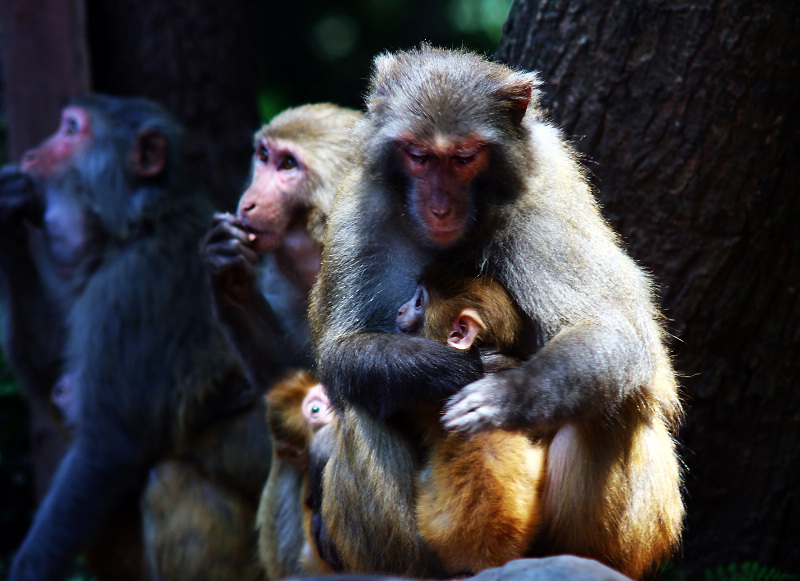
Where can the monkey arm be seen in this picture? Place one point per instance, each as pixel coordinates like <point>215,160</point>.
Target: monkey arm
<point>264,349</point>
<point>33,332</point>
<point>82,494</point>
<point>584,372</point>
<point>252,325</point>
<point>385,373</point>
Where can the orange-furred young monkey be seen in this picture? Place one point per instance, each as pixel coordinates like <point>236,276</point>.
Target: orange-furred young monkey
<point>457,166</point>
<point>478,502</point>
<point>297,408</point>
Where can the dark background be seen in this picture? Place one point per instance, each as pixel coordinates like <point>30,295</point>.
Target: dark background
<point>686,111</point>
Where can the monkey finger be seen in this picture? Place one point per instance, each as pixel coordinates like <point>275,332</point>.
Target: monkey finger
<point>220,217</point>
<point>477,406</point>
<point>222,257</point>
<point>228,230</point>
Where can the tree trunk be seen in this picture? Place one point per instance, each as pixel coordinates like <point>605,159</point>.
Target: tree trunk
<point>688,113</point>
<point>198,59</point>
<point>45,63</point>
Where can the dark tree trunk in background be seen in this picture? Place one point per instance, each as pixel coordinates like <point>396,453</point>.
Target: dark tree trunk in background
<point>198,59</point>
<point>45,63</point>
<point>688,111</point>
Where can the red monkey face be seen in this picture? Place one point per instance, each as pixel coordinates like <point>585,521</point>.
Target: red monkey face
<point>277,192</point>
<point>73,136</point>
<point>441,173</point>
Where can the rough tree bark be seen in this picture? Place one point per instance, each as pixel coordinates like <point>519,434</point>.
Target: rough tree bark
<point>198,59</point>
<point>688,111</point>
<point>45,63</point>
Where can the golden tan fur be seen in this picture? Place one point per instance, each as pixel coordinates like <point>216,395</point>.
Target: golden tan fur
<point>453,293</point>
<point>478,502</point>
<point>197,528</point>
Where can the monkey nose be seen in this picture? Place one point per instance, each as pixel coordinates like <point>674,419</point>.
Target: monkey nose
<point>441,212</point>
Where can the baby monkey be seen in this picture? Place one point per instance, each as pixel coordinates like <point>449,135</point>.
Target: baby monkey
<point>297,408</point>
<point>478,497</point>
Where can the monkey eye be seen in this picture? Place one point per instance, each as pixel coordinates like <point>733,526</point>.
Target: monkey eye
<point>289,162</point>
<point>316,408</point>
<point>263,154</point>
<point>418,155</point>
<point>466,157</point>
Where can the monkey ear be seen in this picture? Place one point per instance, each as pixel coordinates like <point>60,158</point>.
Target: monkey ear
<point>384,66</point>
<point>465,329</point>
<point>518,90</point>
<point>150,157</point>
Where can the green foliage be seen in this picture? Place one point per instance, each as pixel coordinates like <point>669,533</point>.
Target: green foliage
<point>322,50</point>
<point>480,16</point>
<point>747,571</point>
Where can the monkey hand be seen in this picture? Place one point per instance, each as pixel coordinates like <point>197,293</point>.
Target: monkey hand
<point>491,402</point>
<point>229,258</point>
<point>17,197</point>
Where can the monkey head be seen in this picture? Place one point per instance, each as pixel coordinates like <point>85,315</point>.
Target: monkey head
<point>297,407</point>
<point>298,160</point>
<point>442,320</point>
<point>77,168</point>
<point>72,137</point>
<point>445,149</point>
<point>316,407</point>
<point>276,193</point>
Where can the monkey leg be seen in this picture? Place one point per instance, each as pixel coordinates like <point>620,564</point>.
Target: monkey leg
<point>368,499</point>
<point>197,529</point>
<point>479,499</point>
<point>613,494</point>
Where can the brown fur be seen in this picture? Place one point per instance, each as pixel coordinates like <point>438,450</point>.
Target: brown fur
<point>199,506</point>
<point>197,528</point>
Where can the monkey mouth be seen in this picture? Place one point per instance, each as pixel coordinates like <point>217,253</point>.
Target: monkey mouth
<point>445,236</point>
<point>265,240</point>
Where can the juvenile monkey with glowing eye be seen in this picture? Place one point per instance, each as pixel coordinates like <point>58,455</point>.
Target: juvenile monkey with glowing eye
<point>478,496</point>
<point>297,408</point>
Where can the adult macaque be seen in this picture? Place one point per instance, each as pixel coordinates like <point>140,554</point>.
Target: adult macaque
<point>456,166</point>
<point>479,502</point>
<point>111,247</point>
<point>297,408</point>
<point>264,260</point>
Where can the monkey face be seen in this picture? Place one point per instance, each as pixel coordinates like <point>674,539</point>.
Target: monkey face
<point>440,195</point>
<point>276,193</point>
